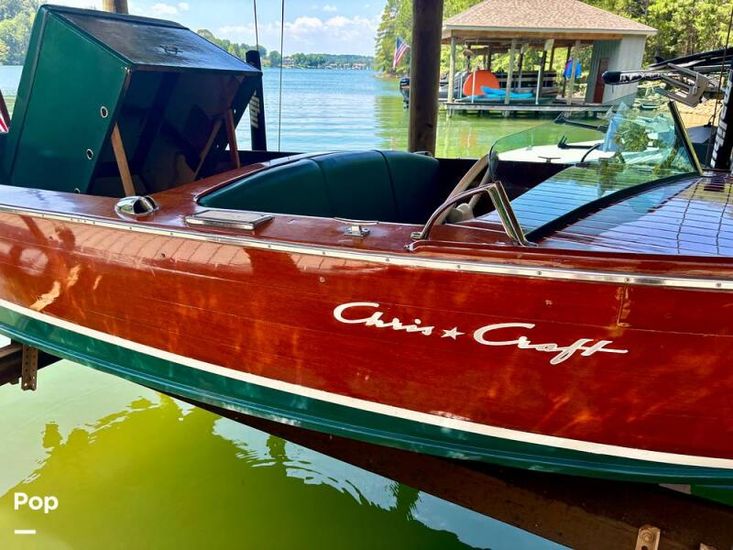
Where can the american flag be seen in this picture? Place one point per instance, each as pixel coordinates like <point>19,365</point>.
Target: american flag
<point>399,51</point>
<point>4,116</point>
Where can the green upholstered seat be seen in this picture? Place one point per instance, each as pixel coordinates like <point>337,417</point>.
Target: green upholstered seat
<point>388,186</point>
<point>414,183</point>
<point>293,188</point>
<point>359,185</point>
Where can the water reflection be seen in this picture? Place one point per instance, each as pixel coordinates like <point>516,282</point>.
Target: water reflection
<point>133,468</point>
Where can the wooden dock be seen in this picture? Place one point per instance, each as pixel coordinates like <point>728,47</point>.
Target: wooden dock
<point>575,512</point>
<point>455,107</point>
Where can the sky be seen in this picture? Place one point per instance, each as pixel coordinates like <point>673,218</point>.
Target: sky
<point>326,26</point>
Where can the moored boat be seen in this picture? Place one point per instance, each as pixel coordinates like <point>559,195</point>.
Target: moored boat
<point>573,322</point>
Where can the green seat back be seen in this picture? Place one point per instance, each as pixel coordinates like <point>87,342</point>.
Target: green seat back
<point>293,188</point>
<point>415,185</point>
<point>389,186</point>
<point>359,185</point>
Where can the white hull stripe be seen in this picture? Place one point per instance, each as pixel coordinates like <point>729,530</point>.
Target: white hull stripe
<point>379,408</point>
<point>468,266</point>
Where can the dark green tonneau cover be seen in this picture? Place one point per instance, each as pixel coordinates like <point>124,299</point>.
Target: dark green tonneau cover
<point>148,42</point>
<point>166,88</point>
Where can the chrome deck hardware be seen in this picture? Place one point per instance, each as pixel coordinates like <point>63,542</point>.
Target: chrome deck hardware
<point>648,538</point>
<point>498,197</point>
<point>356,228</point>
<point>234,219</point>
<point>136,206</point>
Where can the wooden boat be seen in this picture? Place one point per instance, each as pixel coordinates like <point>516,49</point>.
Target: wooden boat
<point>592,338</point>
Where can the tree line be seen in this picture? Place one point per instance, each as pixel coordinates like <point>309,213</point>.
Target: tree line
<point>683,27</point>
<point>269,59</point>
<point>16,21</point>
<point>321,60</point>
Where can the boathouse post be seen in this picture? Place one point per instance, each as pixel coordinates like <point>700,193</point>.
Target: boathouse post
<point>541,72</point>
<point>115,6</point>
<point>552,56</point>
<point>573,67</point>
<point>451,68</point>
<point>427,25</point>
<point>522,50</point>
<point>562,70</point>
<point>509,74</point>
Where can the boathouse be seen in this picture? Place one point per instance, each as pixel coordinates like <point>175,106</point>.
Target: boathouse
<point>552,28</point>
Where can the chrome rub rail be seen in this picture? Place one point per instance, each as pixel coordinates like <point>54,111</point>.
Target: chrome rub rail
<point>403,260</point>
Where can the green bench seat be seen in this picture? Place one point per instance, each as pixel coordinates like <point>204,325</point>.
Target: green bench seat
<point>389,186</point>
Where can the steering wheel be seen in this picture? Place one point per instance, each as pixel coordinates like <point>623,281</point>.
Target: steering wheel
<point>467,181</point>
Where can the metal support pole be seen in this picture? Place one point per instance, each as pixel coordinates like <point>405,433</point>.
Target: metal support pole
<point>540,78</point>
<point>572,72</point>
<point>451,69</point>
<point>29,368</point>
<point>115,6</point>
<point>427,22</point>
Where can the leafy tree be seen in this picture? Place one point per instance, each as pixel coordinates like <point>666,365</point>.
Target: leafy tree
<point>237,50</point>
<point>396,22</point>
<point>684,26</point>
<point>274,58</point>
<point>16,20</point>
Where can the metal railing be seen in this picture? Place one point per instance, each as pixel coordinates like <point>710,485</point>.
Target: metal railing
<point>496,192</point>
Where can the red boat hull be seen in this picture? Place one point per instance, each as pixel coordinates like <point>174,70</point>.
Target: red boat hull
<point>564,370</point>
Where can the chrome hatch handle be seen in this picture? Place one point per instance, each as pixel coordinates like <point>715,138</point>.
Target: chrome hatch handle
<point>501,203</point>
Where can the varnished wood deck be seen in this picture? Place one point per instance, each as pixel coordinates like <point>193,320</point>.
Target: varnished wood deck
<point>680,219</point>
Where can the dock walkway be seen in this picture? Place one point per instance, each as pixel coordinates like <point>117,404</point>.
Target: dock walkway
<point>457,107</point>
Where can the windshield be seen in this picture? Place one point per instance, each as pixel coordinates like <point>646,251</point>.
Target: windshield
<point>639,130</point>
<point>636,142</point>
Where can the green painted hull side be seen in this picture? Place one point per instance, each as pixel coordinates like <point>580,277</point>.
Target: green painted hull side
<point>228,393</point>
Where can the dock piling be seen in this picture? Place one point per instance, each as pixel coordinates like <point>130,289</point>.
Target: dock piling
<point>427,21</point>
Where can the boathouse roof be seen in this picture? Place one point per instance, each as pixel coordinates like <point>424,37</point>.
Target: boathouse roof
<point>559,19</point>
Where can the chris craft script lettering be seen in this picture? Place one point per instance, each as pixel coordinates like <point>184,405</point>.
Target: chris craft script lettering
<point>497,334</point>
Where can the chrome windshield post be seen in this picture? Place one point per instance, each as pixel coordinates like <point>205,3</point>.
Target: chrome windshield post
<point>500,200</point>
<point>506,214</point>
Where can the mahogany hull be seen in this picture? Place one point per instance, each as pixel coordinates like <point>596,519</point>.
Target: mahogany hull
<point>569,374</point>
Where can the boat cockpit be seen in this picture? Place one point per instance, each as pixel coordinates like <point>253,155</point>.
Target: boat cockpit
<point>160,112</point>
<point>552,174</point>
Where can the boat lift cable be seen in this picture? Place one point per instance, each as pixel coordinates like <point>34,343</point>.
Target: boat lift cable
<point>280,94</point>
<point>708,152</point>
<point>257,30</point>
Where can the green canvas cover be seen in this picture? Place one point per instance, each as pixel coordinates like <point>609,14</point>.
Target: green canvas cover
<point>166,88</point>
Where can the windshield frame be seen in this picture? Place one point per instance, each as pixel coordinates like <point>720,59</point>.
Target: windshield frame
<point>684,136</point>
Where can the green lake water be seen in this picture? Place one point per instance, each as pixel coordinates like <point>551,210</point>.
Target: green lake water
<point>325,110</point>
<point>134,469</point>
<point>336,110</point>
